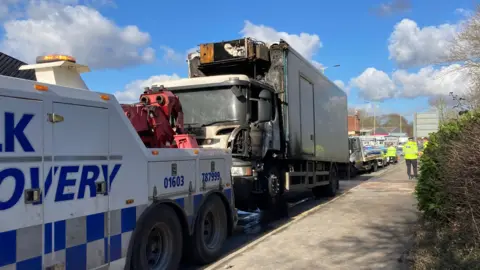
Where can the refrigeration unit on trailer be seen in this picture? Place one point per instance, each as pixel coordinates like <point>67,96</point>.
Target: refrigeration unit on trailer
<point>283,120</point>
<point>79,188</point>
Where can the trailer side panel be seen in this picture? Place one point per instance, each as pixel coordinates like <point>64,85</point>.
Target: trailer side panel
<point>317,113</point>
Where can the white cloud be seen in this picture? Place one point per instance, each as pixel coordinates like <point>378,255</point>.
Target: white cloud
<point>77,30</point>
<point>134,89</point>
<point>377,85</point>
<point>368,109</point>
<point>306,44</point>
<point>464,12</point>
<point>374,84</point>
<point>410,45</point>
<point>318,65</point>
<point>342,86</point>
<point>172,56</point>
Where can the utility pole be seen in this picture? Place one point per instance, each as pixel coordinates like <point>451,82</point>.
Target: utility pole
<point>374,123</point>
<point>400,123</point>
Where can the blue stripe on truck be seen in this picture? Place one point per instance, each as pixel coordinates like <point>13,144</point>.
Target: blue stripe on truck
<point>79,243</point>
<point>82,242</point>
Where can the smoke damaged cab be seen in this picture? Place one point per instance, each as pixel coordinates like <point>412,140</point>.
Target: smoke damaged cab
<point>230,112</point>
<point>283,120</point>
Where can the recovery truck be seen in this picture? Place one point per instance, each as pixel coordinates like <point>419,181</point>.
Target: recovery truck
<point>87,183</point>
<point>283,120</point>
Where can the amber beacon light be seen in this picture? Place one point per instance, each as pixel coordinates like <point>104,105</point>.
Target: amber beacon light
<point>54,58</point>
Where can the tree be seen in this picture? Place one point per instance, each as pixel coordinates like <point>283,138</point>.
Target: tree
<point>466,50</point>
<point>387,121</point>
<point>444,107</point>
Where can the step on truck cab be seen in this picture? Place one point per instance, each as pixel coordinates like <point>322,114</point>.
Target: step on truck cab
<point>80,190</point>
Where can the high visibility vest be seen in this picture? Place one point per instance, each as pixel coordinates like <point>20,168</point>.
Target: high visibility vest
<point>425,145</point>
<point>410,150</point>
<point>391,151</point>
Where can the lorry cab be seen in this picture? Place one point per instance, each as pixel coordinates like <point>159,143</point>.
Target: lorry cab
<point>231,112</point>
<point>217,108</point>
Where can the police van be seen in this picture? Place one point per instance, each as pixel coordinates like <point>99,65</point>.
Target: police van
<point>79,189</point>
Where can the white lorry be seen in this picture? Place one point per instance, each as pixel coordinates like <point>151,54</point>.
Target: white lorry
<point>80,190</point>
<point>363,160</point>
<point>285,122</point>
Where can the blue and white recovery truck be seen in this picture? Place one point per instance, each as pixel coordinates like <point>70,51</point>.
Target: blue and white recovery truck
<point>80,190</point>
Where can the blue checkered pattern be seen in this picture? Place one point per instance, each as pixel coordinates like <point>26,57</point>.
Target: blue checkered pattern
<point>80,243</point>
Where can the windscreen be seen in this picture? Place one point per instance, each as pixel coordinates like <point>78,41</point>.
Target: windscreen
<point>208,106</point>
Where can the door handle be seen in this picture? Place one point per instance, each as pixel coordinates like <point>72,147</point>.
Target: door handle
<point>311,137</point>
<point>32,196</point>
<point>101,187</point>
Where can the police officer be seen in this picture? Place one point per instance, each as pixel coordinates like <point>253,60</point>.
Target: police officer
<point>425,142</point>
<point>410,150</point>
<point>392,152</point>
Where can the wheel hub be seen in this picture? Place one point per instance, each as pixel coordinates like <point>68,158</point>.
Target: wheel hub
<point>157,247</point>
<point>208,229</point>
<point>273,185</point>
<point>211,230</point>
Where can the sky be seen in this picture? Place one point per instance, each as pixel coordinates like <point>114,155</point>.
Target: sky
<point>384,49</point>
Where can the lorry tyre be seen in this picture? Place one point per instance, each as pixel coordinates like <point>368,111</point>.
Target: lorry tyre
<point>331,189</point>
<point>210,231</point>
<point>375,166</point>
<point>353,171</point>
<point>272,200</point>
<point>159,241</point>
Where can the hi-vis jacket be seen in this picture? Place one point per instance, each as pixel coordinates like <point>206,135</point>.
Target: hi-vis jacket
<point>410,150</point>
<point>391,151</point>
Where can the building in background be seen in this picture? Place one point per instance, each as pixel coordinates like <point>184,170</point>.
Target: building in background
<point>9,67</point>
<point>380,131</point>
<point>353,125</point>
<point>425,123</point>
<point>398,134</point>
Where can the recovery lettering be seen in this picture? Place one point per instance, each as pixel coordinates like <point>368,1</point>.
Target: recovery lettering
<point>88,175</point>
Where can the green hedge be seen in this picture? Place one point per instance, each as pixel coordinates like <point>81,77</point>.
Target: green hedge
<point>431,190</point>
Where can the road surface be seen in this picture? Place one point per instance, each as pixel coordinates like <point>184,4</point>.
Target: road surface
<point>367,227</point>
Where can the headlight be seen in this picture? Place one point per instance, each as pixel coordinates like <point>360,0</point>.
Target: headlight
<point>241,171</point>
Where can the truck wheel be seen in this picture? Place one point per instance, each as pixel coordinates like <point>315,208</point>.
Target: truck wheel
<point>273,200</point>
<point>210,231</point>
<point>375,167</point>
<point>329,190</point>
<point>159,242</point>
<point>353,171</point>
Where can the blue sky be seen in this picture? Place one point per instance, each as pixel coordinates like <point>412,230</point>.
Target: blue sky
<point>351,35</point>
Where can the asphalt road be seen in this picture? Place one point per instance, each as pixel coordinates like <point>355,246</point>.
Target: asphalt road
<point>367,228</point>
<point>240,238</point>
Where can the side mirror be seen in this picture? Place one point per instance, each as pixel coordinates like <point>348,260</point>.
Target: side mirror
<point>264,106</point>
